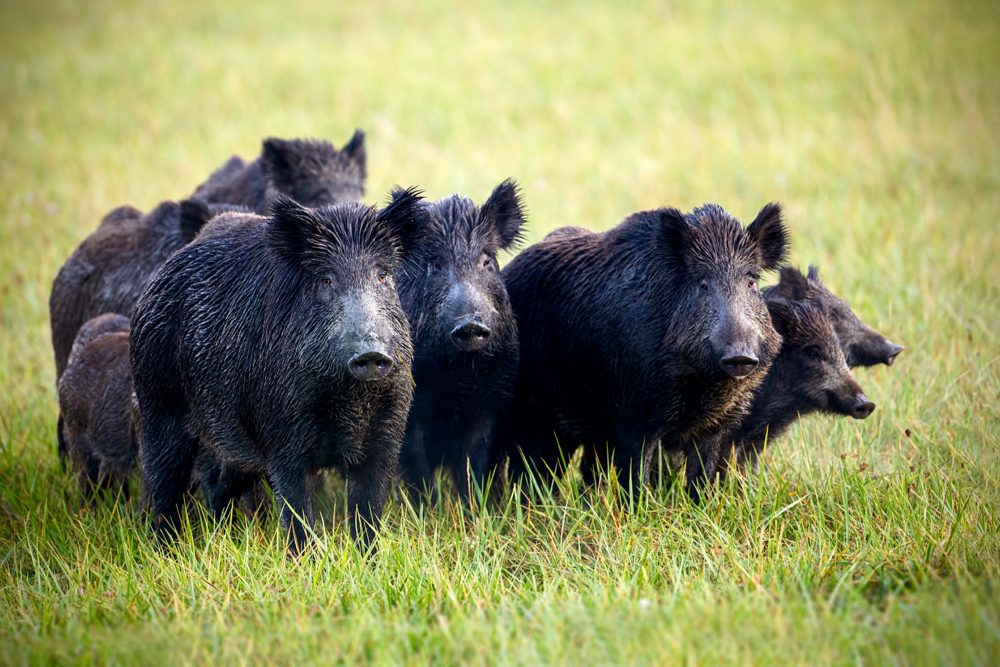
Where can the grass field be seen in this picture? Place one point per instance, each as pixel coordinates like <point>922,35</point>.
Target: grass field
<point>876,124</point>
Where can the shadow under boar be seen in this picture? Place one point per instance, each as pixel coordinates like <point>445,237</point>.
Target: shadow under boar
<point>95,406</point>
<point>311,172</point>
<point>809,375</point>
<point>282,346</point>
<point>109,270</point>
<point>464,339</point>
<point>863,346</point>
<point>653,328</point>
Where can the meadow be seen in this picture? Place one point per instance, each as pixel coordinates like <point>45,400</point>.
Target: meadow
<point>876,124</point>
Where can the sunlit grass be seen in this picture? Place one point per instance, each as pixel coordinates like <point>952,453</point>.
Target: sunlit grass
<point>876,125</point>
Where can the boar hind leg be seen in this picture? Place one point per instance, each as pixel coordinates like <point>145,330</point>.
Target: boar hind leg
<point>168,455</point>
<point>294,497</point>
<point>224,489</point>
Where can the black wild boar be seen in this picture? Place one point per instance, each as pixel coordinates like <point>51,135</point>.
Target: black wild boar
<point>111,267</point>
<point>863,346</point>
<point>282,346</point>
<point>464,338</point>
<point>311,172</point>
<point>95,406</point>
<point>809,374</point>
<point>654,328</point>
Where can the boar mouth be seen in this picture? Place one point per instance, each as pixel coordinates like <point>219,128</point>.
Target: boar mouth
<point>739,366</point>
<point>895,350</point>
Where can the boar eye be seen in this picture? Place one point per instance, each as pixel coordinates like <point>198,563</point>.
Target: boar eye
<point>327,281</point>
<point>704,286</point>
<point>381,276</point>
<point>814,352</point>
<point>486,261</point>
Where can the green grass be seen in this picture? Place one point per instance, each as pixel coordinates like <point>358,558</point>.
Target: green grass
<point>876,124</point>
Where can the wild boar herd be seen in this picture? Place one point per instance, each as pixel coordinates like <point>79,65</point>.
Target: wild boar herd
<point>272,326</point>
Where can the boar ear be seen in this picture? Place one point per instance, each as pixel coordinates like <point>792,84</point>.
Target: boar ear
<point>280,158</point>
<point>793,284</point>
<point>674,234</point>
<point>505,211</point>
<point>293,226</point>
<point>355,151</point>
<point>783,315</point>
<point>194,214</point>
<point>770,236</point>
<point>813,272</point>
<point>406,218</point>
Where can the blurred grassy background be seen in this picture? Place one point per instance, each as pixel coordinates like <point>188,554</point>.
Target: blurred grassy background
<point>876,124</point>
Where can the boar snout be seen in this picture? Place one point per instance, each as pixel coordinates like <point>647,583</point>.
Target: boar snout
<point>371,363</point>
<point>862,407</point>
<point>470,315</point>
<point>471,336</point>
<point>737,341</point>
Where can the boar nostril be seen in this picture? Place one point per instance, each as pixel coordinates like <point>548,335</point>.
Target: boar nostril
<point>862,407</point>
<point>370,366</point>
<point>739,366</point>
<point>896,349</point>
<point>471,336</point>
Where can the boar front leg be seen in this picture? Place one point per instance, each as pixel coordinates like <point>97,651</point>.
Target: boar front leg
<point>294,497</point>
<point>417,473</point>
<point>368,487</point>
<point>472,469</point>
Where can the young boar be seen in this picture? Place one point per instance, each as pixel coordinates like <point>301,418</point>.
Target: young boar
<point>111,267</point>
<point>863,346</point>
<point>311,172</point>
<point>95,406</point>
<point>810,374</point>
<point>464,338</point>
<point>282,346</point>
<point>654,328</point>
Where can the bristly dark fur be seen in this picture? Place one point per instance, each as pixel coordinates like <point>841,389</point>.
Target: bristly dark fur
<point>95,396</point>
<point>111,267</point>
<point>391,233</point>
<point>809,375</point>
<point>312,172</point>
<point>621,335</point>
<point>460,393</point>
<point>245,347</point>
<point>863,346</point>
